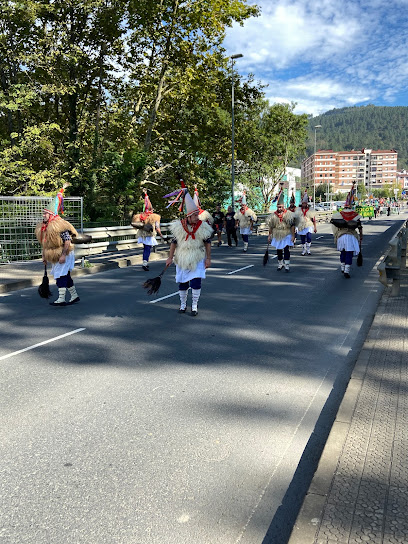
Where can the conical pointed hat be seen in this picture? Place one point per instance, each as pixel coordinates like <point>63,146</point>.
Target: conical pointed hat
<point>190,205</point>
<point>57,203</point>
<point>281,198</point>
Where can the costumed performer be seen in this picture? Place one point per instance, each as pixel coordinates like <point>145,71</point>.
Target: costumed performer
<point>281,225</point>
<point>306,224</point>
<point>204,215</point>
<point>55,236</point>
<point>190,250</point>
<point>345,225</point>
<point>245,218</point>
<point>149,225</point>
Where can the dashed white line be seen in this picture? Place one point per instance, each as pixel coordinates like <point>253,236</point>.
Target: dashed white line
<point>318,238</point>
<point>41,343</point>
<point>239,269</point>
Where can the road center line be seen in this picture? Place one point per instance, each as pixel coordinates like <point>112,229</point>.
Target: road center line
<point>163,298</point>
<point>41,344</point>
<point>239,269</point>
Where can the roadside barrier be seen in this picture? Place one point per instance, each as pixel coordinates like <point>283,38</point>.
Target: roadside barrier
<point>120,238</point>
<point>394,259</point>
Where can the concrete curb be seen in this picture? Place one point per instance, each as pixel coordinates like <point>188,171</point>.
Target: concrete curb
<point>121,262</point>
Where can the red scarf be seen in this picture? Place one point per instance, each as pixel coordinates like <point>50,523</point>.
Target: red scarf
<point>194,227</point>
<point>348,216</point>
<point>44,227</point>
<point>145,215</point>
<point>280,215</point>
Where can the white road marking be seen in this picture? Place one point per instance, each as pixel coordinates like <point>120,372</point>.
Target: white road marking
<point>318,238</point>
<point>5,295</point>
<point>41,344</point>
<point>163,298</point>
<point>239,269</point>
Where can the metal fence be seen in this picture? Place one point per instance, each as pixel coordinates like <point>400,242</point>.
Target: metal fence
<point>18,218</point>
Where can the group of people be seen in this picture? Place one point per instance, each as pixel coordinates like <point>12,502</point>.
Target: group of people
<point>190,247</point>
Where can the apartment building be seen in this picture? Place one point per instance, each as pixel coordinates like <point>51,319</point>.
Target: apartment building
<point>337,170</point>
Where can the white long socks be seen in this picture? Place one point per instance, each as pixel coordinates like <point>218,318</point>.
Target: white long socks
<point>183,299</point>
<point>73,293</point>
<point>308,244</point>
<point>196,295</point>
<point>61,295</point>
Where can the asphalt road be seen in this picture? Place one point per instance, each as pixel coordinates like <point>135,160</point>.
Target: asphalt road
<point>130,423</point>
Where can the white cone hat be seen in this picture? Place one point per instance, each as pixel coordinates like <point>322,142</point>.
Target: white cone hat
<point>191,206</point>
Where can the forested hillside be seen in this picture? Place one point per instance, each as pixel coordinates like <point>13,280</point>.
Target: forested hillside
<point>373,127</point>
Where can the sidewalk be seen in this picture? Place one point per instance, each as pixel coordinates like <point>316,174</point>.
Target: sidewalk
<point>28,274</point>
<point>359,492</point>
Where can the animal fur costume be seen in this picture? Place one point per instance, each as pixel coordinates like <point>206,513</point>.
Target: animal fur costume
<point>305,218</point>
<point>280,229</point>
<point>148,218</point>
<point>245,218</point>
<point>351,221</point>
<point>49,237</point>
<point>190,245</point>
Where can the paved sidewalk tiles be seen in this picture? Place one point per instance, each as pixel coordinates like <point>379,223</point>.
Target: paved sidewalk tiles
<point>359,492</point>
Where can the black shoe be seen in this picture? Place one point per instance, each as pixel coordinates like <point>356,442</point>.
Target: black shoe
<point>182,311</point>
<point>236,244</point>
<point>219,243</point>
<point>194,313</point>
<point>347,275</point>
<point>57,303</point>
<point>145,268</point>
<point>77,299</point>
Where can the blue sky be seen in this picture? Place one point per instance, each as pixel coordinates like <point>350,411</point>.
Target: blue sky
<point>326,54</point>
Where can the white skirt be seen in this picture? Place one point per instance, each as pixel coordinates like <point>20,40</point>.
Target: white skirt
<point>281,244</point>
<point>245,230</point>
<point>306,230</point>
<point>348,242</point>
<point>59,270</point>
<point>183,275</point>
<point>147,241</point>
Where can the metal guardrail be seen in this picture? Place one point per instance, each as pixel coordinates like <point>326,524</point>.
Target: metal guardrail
<point>120,238</point>
<point>394,259</point>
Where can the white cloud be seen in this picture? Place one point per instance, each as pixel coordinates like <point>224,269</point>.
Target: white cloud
<point>325,54</point>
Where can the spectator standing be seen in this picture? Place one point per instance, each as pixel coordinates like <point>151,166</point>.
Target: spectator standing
<point>230,227</point>
<point>218,216</point>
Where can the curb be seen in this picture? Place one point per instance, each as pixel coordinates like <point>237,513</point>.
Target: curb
<point>121,262</point>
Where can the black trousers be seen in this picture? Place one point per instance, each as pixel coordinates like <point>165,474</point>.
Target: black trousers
<point>233,233</point>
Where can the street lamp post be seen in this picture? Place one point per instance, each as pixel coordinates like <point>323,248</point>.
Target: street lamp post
<point>233,57</point>
<point>314,168</point>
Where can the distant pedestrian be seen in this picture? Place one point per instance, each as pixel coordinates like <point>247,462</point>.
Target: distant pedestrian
<point>345,224</point>
<point>244,219</point>
<point>282,232</point>
<point>149,225</point>
<point>218,216</point>
<point>230,228</point>
<point>306,225</point>
<point>389,210</point>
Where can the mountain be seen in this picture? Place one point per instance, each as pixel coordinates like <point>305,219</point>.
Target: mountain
<point>372,127</point>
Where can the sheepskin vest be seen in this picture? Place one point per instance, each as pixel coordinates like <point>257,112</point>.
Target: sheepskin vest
<point>337,233</point>
<point>245,219</point>
<point>305,219</point>
<point>51,240</point>
<point>280,229</point>
<point>151,219</point>
<point>190,250</point>
<point>206,216</point>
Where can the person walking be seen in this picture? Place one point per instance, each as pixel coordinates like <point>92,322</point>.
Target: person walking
<point>218,216</point>
<point>190,250</point>
<point>245,219</point>
<point>282,232</point>
<point>230,228</point>
<point>149,225</point>
<point>56,236</point>
<point>306,225</point>
<point>345,224</point>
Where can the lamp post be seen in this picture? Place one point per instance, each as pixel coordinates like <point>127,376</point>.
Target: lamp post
<point>314,168</point>
<point>233,57</point>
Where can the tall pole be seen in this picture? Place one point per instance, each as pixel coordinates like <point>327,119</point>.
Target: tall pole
<point>233,57</point>
<point>314,168</point>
